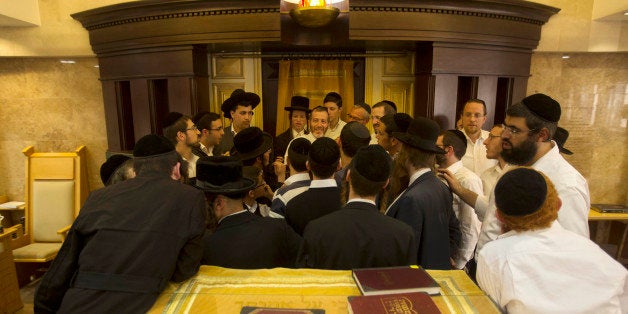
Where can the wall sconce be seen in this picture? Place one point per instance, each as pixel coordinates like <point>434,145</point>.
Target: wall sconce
<point>314,13</point>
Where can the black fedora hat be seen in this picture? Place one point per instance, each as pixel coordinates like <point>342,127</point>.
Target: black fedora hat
<point>560,136</point>
<point>421,134</point>
<point>111,165</point>
<point>221,175</point>
<point>239,97</point>
<point>299,103</point>
<point>251,142</point>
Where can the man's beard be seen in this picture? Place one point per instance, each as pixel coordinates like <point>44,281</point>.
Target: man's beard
<point>521,155</point>
<point>441,160</point>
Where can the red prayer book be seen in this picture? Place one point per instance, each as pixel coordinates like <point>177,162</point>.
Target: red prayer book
<point>414,302</point>
<point>388,280</point>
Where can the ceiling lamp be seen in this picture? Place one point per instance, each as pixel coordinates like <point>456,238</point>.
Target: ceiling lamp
<point>314,13</point>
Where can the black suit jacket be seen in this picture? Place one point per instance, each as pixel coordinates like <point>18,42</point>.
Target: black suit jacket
<point>248,241</point>
<point>281,143</point>
<point>311,204</point>
<point>129,239</point>
<point>426,206</point>
<point>357,236</point>
<point>226,143</point>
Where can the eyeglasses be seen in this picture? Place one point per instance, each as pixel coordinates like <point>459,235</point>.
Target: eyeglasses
<point>493,136</point>
<point>514,131</point>
<point>192,128</point>
<point>475,115</point>
<point>216,129</point>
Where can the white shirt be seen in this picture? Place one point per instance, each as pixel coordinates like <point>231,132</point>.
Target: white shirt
<point>474,158</point>
<point>334,133</point>
<point>373,139</point>
<point>552,270</point>
<point>207,150</point>
<point>192,166</point>
<point>572,189</point>
<point>470,225</point>
<point>491,175</point>
<point>296,134</point>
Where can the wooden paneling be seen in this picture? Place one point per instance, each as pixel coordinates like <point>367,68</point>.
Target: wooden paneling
<point>171,40</point>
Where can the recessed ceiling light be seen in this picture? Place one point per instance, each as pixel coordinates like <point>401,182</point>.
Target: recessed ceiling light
<point>566,57</point>
<point>97,66</point>
<point>68,61</point>
<point>625,13</point>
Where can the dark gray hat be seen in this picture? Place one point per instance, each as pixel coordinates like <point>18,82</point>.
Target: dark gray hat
<point>251,142</point>
<point>152,145</point>
<point>221,175</point>
<point>421,134</point>
<point>560,136</point>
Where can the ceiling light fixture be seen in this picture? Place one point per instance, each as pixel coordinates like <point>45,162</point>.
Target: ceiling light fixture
<point>314,13</point>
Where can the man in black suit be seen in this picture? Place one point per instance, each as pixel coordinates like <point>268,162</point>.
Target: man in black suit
<point>426,204</point>
<point>129,240</point>
<point>242,239</point>
<point>239,108</point>
<point>323,195</point>
<point>299,114</point>
<point>358,235</point>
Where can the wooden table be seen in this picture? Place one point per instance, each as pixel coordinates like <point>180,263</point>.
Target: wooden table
<point>10,300</point>
<point>224,290</point>
<point>603,228</point>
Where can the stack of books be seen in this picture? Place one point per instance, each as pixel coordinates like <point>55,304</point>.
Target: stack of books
<point>394,290</point>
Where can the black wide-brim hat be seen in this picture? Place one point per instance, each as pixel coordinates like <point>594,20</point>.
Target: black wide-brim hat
<point>421,134</point>
<point>560,136</point>
<point>221,175</point>
<point>111,165</point>
<point>251,142</point>
<point>299,103</point>
<point>239,97</point>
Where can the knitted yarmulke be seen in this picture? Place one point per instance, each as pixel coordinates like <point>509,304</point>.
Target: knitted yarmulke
<point>520,192</point>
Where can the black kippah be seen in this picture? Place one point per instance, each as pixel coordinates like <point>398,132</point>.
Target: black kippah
<point>300,146</point>
<point>460,135</point>
<point>520,192</point>
<point>152,145</point>
<point>171,118</point>
<point>373,163</point>
<point>543,107</point>
<point>324,151</point>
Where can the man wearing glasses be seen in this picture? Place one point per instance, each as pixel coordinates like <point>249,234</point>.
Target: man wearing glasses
<point>210,126</point>
<point>527,141</point>
<point>473,118</point>
<point>183,134</point>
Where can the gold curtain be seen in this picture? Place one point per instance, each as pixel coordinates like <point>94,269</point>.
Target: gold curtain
<point>313,79</point>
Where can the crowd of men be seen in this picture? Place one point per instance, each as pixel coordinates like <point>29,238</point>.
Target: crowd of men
<point>329,194</point>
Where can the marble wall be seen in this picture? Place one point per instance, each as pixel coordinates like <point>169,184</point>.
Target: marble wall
<point>52,106</point>
<point>592,89</point>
